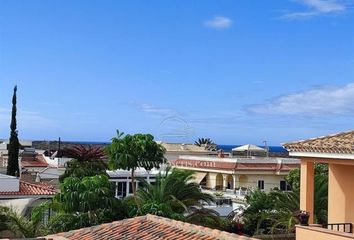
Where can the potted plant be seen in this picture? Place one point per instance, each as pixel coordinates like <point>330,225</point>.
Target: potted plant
<point>303,217</point>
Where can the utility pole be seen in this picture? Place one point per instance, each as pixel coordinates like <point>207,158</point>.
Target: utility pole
<point>266,147</point>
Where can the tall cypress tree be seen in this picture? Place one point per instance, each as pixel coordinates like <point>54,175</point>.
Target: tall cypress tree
<point>14,145</point>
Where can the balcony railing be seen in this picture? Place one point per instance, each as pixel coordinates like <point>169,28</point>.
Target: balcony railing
<point>223,201</point>
<point>341,227</point>
<point>240,192</point>
<point>315,231</point>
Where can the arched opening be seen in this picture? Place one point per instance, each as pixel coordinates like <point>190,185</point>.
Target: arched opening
<point>229,182</point>
<point>219,182</point>
<point>203,183</point>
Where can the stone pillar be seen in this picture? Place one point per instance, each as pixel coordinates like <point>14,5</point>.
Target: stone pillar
<point>224,182</point>
<point>307,187</point>
<point>211,180</point>
<point>234,177</point>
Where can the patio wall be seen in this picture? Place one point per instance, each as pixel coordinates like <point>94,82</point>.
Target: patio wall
<point>318,233</point>
<point>341,194</point>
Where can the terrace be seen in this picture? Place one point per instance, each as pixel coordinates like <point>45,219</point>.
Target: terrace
<point>336,151</point>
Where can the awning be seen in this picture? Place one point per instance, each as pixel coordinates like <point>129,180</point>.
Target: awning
<point>199,176</point>
<point>249,147</point>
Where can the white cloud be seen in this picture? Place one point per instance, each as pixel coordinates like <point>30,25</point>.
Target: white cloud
<point>316,102</point>
<point>26,120</point>
<point>147,108</point>
<point>317,7</point>
<point>218,22</point>
<point>324,6</point>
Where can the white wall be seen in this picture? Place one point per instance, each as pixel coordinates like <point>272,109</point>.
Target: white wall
<point>3,146</point>
<point>51,173</point>
<point>9,183</point>
<point>270,181</point>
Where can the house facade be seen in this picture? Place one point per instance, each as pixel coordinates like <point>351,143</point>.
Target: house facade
<point>338,152</point>
<point>23,195</point>
<point>122,180</point>
<point>238,174</point>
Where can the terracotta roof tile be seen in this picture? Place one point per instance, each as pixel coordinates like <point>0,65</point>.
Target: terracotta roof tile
<point>179,147</point>
<point>37,161</point>
<point>148,227</point>
<point>29,189</point>
<point>336,143</point>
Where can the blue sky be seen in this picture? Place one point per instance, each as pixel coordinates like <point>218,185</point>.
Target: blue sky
<point>236,71</point>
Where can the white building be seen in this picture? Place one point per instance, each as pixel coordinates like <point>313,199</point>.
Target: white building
<point>174,150</point>
<point>238,174</point>
<point>122,180</point>
<point>22,195</point>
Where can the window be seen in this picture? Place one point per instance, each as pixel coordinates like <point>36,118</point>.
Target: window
<point>261,184</point>
<point>121,189</point>
<point>284,186</point>
<point>130,188</point>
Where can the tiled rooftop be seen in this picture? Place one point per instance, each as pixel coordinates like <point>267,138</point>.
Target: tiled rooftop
<point>181,147</point>
<point>36,161</point>
<point>336,143</point>
<point>147,227</point>
<point>29,189</point>
<point>240,166</point>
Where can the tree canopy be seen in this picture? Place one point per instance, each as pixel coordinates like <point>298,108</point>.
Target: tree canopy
<point>85,202</point>
<point>275,212</point>
<point>174,195</point>
<point>130,152</point>
<point>86,162</point>
<point>22,226</point>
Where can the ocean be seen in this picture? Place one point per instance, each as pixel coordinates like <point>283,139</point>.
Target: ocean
<point>274,149</point>
<point>225,148</point>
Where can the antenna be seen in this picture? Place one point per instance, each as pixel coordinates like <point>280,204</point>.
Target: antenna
<point>266,147</point>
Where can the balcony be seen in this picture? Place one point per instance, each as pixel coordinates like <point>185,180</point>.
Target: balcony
<point>237,197</point>
<point>339,231</point>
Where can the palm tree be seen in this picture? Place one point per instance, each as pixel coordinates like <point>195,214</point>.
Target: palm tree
<point>321,198</point>
<point>321,190</point>
<point>255,216</point>
<point>86,162</point>
<point>130,152</point>
<point>207,143</point>
<point>23,226</point>
<point>286,204</point>
<point>175,195</point>
<point>280,214</point>
<point>203,141</point>
<point>85,154</point>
